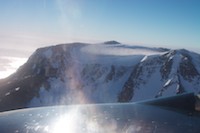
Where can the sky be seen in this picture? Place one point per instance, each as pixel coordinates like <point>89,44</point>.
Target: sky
<point>26,25</point>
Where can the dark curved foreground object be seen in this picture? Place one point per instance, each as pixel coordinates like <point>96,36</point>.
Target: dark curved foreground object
<point>155,116</point>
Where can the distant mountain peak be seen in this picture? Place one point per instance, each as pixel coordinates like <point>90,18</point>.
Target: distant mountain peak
<point>112,42</point>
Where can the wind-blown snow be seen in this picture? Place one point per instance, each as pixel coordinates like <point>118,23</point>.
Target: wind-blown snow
<point>96,53</point>
<point>119,50</point>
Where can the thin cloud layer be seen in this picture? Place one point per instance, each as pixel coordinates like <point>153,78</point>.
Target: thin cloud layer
<point>9,65</point>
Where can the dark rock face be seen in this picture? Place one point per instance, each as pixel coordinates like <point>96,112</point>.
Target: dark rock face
<point>166,67</point>
<point>128,89</point>
<point>111,74</point>
<point>17,92</point>
<point>111,42</point>
<point>187,69</point>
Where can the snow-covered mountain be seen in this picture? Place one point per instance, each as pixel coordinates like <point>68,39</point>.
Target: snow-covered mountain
<point>79,73</point>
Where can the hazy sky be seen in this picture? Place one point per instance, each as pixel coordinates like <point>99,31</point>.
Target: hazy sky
<point>28,24</point>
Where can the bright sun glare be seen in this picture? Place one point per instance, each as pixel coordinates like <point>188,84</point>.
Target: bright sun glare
<point>67,123</point>
<point>78,120</point>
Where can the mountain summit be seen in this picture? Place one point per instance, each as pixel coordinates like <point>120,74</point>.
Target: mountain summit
<point>78,73</point>
<point>111,42</point>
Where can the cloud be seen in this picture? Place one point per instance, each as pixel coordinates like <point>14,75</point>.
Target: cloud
<point>14,53</point>
<point>25,41</point>
<point>4,64</point>
<point>9,65</point>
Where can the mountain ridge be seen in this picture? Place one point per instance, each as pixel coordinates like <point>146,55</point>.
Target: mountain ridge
<point>79,73</point>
